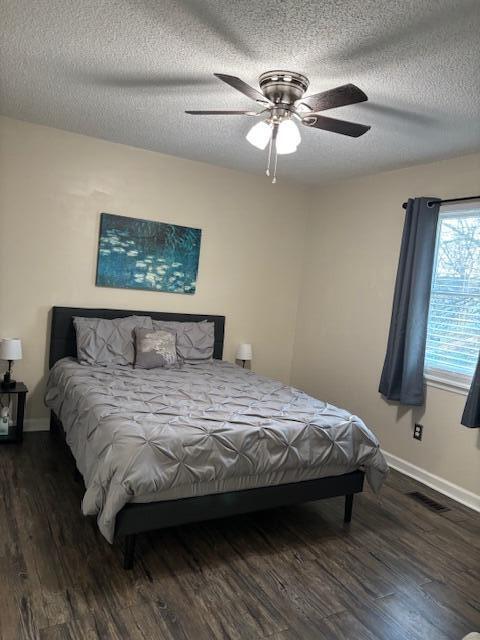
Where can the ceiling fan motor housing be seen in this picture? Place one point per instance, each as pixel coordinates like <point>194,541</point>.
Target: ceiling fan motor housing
<point>283,87</point>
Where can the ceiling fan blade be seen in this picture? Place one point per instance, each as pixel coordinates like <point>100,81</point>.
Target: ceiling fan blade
<point>243,87</point>
<point>343,127</point>
<point>222,113</point>
<point>338,97</point>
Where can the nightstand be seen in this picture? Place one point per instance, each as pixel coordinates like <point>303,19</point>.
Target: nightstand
<point>15,431</point>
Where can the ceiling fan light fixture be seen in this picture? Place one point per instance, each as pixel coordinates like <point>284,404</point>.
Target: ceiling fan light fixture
<point>282,98</point>
<point>288,137</point>
<point>260,134</point>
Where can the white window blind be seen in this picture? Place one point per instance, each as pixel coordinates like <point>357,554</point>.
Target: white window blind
<point>453,336</point>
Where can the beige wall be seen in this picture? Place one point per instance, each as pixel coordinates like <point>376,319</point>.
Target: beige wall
<point>53,186</point>
<point>353,242</point>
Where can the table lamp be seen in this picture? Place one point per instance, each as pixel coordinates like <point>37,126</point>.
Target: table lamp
<point>244,352</point>
<point>10,349</point>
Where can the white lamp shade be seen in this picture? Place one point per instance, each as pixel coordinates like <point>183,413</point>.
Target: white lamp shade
<point>244,352</point>
<point>260,134</point>
<point>10,349</point>
<point>288,137</point>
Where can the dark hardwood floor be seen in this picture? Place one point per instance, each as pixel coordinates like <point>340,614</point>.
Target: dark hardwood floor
<point>398,572</point>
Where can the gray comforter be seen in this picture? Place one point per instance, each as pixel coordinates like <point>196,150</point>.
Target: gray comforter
<point>144,435</point>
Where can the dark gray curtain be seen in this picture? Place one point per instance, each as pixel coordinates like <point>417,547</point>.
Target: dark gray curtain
<point>471,413</point>
<point>402,375</point>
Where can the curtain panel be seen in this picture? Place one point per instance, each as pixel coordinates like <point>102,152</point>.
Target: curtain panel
<point>471,413</point>
<point>402,375</point>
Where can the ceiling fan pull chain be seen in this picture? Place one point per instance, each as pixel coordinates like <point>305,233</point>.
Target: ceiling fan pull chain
<point>269,157</point>
<point>275,154</point>
<point>275,158</point>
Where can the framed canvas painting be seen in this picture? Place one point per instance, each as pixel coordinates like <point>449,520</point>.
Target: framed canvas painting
<point>144,254</point>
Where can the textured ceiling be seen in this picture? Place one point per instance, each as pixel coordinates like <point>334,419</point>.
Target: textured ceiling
<point>125,70</point>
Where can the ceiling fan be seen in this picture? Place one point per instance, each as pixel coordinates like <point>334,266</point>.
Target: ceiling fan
<point>282,97</point>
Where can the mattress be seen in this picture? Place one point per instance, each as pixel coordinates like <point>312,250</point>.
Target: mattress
<point>162,434</point>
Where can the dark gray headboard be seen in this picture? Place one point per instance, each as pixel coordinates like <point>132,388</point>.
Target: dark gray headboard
<point>62,334</point>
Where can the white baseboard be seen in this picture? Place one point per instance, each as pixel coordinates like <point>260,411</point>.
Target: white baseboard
<point>468,498</point>
<point>36,424</point>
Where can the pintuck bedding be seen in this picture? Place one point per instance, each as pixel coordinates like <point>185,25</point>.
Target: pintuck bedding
<point>143,435</point>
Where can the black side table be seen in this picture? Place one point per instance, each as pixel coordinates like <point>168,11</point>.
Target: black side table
<point>15,431</point>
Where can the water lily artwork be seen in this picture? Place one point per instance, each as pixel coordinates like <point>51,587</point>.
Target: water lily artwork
<point>144,254</point>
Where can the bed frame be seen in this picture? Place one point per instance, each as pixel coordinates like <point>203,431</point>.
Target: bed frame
<point>139,518</point>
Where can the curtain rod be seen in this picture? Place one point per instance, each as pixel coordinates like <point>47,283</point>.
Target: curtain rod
<point>404,205</point>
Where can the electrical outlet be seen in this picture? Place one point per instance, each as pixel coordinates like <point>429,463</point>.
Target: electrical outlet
<point>418,431</point>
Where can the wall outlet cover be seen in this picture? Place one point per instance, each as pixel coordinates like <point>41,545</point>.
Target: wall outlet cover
<point>418,431</point>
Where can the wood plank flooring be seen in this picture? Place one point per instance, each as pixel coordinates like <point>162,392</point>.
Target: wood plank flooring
<point>398,572</point>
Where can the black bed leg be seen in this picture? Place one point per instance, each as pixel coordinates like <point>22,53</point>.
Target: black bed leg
<point>129,552</point>
<point>53,425</point>
<point>348,507</point>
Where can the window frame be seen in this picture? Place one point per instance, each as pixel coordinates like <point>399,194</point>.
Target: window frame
<point>441,378</point>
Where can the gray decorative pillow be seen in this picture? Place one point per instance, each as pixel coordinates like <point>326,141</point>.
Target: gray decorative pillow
<point>156,348</point>
<point>194,339</point>
<point>108,342</point>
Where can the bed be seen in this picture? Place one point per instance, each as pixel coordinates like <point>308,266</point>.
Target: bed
<point>160,447</point>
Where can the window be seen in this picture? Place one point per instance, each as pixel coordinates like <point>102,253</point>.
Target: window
<point>453,336</point>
